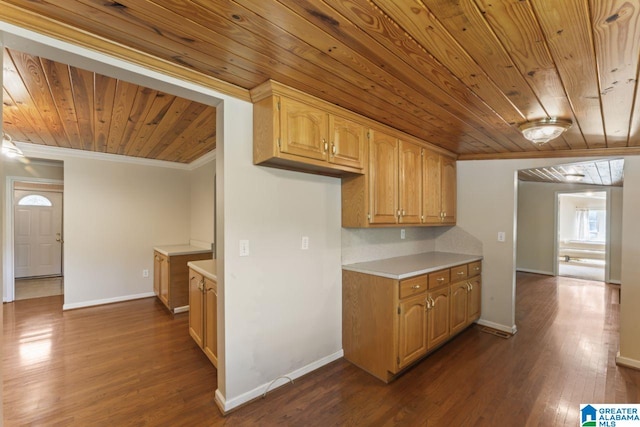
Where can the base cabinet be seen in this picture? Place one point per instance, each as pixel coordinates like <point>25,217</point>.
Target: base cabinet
<point>170,280</point>
<point>203,312</point>
<point>390,324</point>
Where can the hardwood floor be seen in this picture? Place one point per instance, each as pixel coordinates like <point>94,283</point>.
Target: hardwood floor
<point>132,364</point>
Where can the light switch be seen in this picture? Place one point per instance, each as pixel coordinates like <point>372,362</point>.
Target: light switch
<point>305,243</point>
<point>501,236</point>
<point>402,233</point>
<point>244,248</point>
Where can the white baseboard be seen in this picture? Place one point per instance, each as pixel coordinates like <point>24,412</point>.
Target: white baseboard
<point>497,326</point>
<point>84,304</point>
<point>227,405</point>
<point>181,309</point>
<point>527,270</point>
<point>627,362</point>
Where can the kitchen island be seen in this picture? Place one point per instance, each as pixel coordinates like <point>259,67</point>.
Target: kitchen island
<point>170,281</point>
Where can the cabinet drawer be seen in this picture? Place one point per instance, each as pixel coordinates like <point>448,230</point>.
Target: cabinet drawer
<point>459,273</point>
<point>439,278</point>
<point>475,268</point>
<point>413,286</point>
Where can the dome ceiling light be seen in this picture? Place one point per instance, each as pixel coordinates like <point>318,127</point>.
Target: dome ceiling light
<point>544,130</point>
<point>9,149</point>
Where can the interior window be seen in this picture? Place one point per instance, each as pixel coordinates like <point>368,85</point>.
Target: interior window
<point>34,200</point>
<point>591,224</point>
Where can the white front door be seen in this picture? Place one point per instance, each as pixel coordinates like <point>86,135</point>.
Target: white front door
<point>38,233</point>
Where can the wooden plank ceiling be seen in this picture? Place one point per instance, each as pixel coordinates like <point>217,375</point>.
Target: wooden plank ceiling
<point>49,103</point>
<point>459,74</point>
<point>608,172</point>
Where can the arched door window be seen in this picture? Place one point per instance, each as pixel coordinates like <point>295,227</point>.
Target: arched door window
<point>34,200</point>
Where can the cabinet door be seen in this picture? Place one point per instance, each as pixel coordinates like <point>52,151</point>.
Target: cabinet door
<point>347,143</point>
<point>412,331</point>
<point>196,306</point>
<point>410,183</point>
<point>211,321</point>
<point>431,186</point>
<point>458,306</point>
<point>438,317</point>
<point>303,130</point>
<point>383,175</point>
<point>448,190</point>
<point>164,280</point>
<point>474,299</point>
<point>156,273</point>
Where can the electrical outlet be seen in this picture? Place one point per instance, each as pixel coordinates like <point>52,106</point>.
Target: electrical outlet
<point>402,233</point>
<point>244,248</point>
<point>501,236</point>
<point>305,243</point>
<point>145,273</point>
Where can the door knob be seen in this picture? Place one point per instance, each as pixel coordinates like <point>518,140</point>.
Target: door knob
<point>59,238</point>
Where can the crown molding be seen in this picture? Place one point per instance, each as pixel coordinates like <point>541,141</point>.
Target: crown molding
<point>58,153</point>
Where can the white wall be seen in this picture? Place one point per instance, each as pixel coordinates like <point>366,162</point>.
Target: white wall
<point>203,203</point>
<point>114,214</point>
<point>536,225</point>
<point>282,305</point>
<point>630,288</point>
<point>34,169</point>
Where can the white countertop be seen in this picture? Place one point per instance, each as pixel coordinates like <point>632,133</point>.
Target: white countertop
<point>206,267</point>
<point>172,250</point>
<point>411,265</point>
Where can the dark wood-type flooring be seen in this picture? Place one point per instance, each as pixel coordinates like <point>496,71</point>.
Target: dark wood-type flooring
<point>133,364</point>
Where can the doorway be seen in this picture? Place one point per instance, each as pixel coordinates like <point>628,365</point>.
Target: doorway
<point>582,235</point>
<point>37,239</point>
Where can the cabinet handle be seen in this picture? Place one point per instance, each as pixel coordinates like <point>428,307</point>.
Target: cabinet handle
<point>415,287</point>
<point>325,144</point>
<point>433,303</point>
<point>470,286</point>
<point>333,149</point>
<point>477,269</point>
<point>460,273</point>
<point>403,212</point>
<point>440,279</point>
<point>427,305</point>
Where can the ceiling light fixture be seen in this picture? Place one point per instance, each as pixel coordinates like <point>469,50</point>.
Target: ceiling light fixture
<point>573,176</point>
<point>9,149</point>
<point>544,130</point>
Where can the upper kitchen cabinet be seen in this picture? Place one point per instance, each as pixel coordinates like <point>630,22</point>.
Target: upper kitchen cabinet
<point>401,180</point>
<point>296,131</point>
<point>439,189</point>
<point>395,172</point>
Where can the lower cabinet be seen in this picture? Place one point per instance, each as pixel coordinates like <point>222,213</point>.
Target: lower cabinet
<point>412,330</point>
<point>203,306</point>
<point>170,278</point>
<point>390,324</point>
<point>438,317</point>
